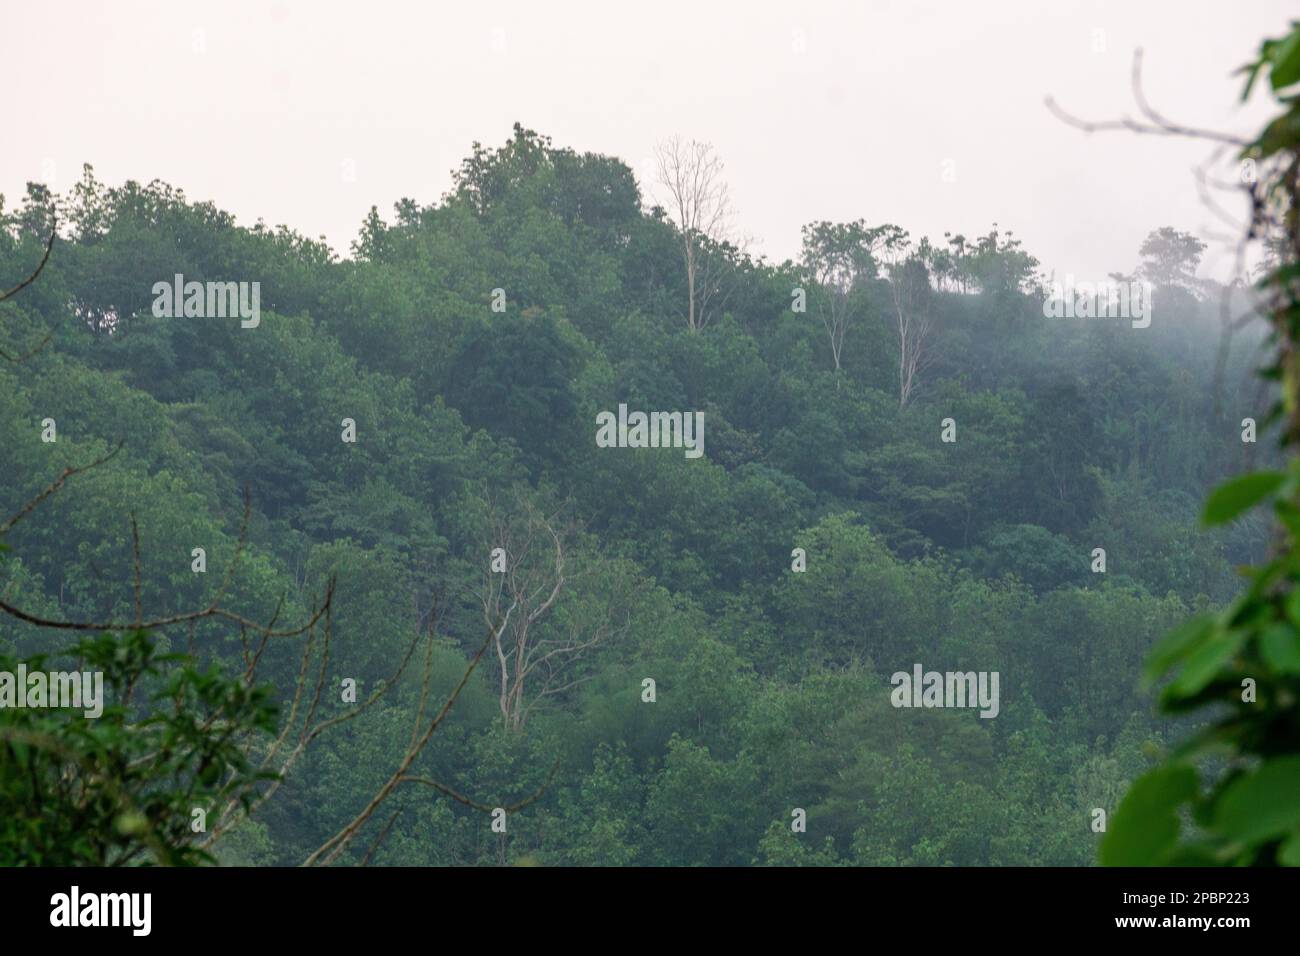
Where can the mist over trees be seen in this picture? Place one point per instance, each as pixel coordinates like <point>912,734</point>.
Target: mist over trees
<point>472,343</point>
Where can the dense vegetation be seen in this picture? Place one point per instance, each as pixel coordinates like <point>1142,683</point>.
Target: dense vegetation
<point>475,428</point>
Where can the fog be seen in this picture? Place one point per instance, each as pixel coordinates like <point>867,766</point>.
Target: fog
<point>309,113</point>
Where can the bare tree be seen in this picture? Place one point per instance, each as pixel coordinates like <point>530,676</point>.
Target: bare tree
<point>691,174</point>
<point>539,645</point>
<point>909,286</point>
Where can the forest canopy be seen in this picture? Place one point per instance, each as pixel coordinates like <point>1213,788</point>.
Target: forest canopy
<point>908,463</point>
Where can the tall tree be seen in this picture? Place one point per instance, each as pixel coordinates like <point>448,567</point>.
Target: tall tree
<point>1170,257</point>
<point>538,647</point>
<point>698,200</point>
<point>913,307</point>
<point>840,258</point>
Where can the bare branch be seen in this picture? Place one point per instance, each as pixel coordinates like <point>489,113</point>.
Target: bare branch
<point>1154,125</point>
<point>167,621</point>
<point>331,849</point>
<point>461,798</point>
<point>54,487</point>
<point>139,586</point>
<point>49,246</point>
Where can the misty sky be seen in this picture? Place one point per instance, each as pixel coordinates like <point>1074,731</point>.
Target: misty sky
<point>307,113</point>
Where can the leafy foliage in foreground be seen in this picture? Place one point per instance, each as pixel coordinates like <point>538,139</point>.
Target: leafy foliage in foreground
<point>1238,778</point>
<point>122,788</point>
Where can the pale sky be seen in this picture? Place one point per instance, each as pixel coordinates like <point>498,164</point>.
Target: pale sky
<point>307,112</point>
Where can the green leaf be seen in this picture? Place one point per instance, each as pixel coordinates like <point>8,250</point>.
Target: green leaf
<point>1286,61</point>
<point>1289,515</point>
<point>1263,804</point>
<point>130,823</point>
<point>1289,854</point>
<point>1280,648</point>
<point>1144,828</point>
<point>1252,73</point>
<point>1233,497</point>
<point>1204,664</point>
<point>1179,642</point>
